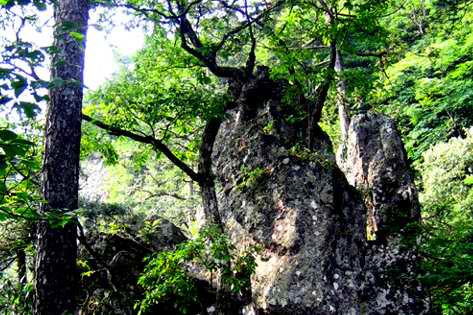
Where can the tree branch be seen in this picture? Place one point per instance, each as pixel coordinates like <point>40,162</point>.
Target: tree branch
<point>98,258</point>
<point>315,111</point>
<point>251,61</point>
<point>323,90</point>
<point>209,59</point>
<point>378,54</point>
<point>157,145</point>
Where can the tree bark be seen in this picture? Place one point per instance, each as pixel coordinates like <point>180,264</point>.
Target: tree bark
<point>207,182</point>
<point>341,96</point>
<point>315,109</point>
<point>55,268</point>
<point>225,302</point>
<point>21,265</point>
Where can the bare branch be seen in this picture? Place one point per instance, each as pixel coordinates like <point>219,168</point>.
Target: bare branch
<point>164,194</point>
<point>98,259</point>
<point>245,25</point>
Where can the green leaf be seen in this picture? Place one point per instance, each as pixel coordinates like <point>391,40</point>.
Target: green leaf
<point>56,82</point>
<point>4,99</point>
<point>468,180</point>
<point>40,5</point>
<point>77,36</point>
<point>3,188</point>
<point>3,215</point>
<point>19,85</point>
<point>57,219</point>
<point>22,143</point>
<point>11,150</point>
<point>7,135</point>
<point>29,109</point>
<point>4,72</point>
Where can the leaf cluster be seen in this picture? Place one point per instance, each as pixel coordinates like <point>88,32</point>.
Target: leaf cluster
<point>447,229</point>
<point>429,89</point>
<point>166,276</point>
<point>18,168</point>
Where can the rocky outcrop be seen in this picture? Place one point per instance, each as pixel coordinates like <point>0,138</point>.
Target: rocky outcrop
<point>374,161</point>
<point>112,262</point>
<point>297,204</point>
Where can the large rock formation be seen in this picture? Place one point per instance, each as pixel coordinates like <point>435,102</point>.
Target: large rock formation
<point>374,161</point>
<point>298,205</point>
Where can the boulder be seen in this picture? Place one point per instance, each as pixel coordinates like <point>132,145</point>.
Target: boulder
<point>110,272</point>
<point>297,204</point>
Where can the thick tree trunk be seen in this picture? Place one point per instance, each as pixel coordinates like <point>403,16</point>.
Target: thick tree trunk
<point>207,181</point>
<point>57,246</point>
<point>225,303</point>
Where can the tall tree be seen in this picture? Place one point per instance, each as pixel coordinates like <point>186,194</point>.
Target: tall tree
<point>57,246</point>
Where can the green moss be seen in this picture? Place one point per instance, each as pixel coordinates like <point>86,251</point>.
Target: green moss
<point>251,178</point>
<point>305,154</point>
<point>268,128</point>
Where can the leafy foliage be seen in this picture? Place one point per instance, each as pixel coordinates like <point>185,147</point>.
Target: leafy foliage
<point>166,276</point>
<point>13,297</point>
<point>410,59</point>
<point>429,90</point>
<point>251,178</point>
<point>447,201</point>
<point>21,86</point>
<point>18,167</point>
<point>164,95</point>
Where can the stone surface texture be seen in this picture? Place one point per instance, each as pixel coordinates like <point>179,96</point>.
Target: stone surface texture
<point>374,161</point>
<point>311,223</point>
<point>298,205</point>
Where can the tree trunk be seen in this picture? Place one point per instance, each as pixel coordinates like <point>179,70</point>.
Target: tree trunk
<point>21,274</point>
<point>226,304</point>
<point>57,246</point>
<point>341,96</point>
<point>207,181</point>
<point>21,265</point>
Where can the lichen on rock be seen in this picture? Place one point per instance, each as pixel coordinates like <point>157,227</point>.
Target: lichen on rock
<point>374,161</point>
<point>306,216</point>
<point>310,221</point>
